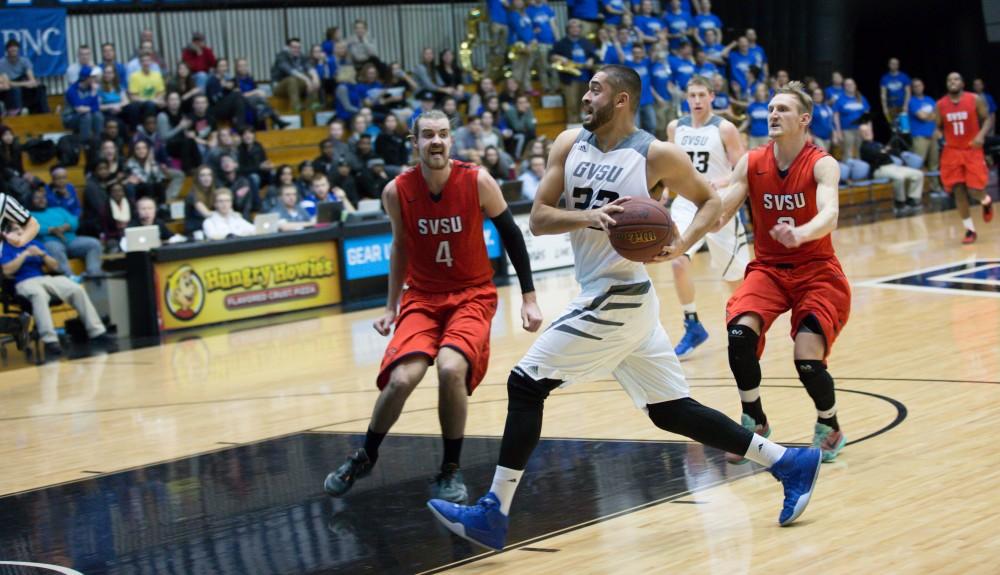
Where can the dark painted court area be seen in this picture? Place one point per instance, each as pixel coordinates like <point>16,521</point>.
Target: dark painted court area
<point>260,508</point>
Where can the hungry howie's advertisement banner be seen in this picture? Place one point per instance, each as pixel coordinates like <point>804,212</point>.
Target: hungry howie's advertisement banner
<point>222,288</point>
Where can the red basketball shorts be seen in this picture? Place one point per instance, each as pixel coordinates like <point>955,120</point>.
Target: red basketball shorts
<point>428,321</point>
<point>964,166</point>
<point>816,288</point>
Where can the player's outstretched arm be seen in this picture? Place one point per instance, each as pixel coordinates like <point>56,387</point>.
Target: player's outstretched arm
<point>547,218</point>
<point>670,165</point>
<point>495,208</point>
<point>397,259</point>
<point>827,174</point>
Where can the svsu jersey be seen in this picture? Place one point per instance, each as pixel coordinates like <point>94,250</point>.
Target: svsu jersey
<point>443,235</point>
<point>592,179</point>
<point>959,120</point>
<point>787,199</point>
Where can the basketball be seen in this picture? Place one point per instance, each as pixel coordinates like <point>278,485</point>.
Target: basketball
<point>641,231</point>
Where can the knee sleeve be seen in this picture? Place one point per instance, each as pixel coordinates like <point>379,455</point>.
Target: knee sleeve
<point>818,383</point>
<point>526,394</point>
<point>743,356</point>
<point>525,401</point>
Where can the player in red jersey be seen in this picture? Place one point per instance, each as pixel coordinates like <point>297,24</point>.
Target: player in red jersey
<point>793,186</point>
<point>445,312</point>
<point>963,118</point>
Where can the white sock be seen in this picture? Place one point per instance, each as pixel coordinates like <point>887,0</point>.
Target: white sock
<point>968,224</point>
<point>505,482</point>
<point>689,307</point>
<point>749,395</point>
<point>764,451</point>
<point>828,413</point>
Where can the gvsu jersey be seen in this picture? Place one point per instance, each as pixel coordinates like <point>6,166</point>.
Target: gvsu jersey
<point>593,179</point>
<point>787,199</point>
<point>443,234</point>
<point>705,148</point>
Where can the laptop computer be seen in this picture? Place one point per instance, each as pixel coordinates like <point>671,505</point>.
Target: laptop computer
<point>266,224</point>
<point>511,190</point>
<point>142,238</point>
<point>329,212</point>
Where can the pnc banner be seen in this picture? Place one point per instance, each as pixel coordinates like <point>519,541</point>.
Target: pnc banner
<point>42,35</point>
<point>215,289</point>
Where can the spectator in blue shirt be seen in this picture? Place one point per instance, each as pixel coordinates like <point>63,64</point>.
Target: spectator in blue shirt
<point>895,92</point>
<point>703,67</point>
<point>326,70</point>
<point>821,126</point>
<point>707,21</point>
<point>756,122</point>
<point>722,104</point>
<point>679,24</point>
<point>621,49</point>
<point>109,58</point>
<point>496,10</point>
<point>83,106</point>
<point>588,12</point>
<point>57,231</point>
<point>740,60</point>
<point>923,123</point>
<point>662,85</point>
<point>847,114</point>
<point>333,35</point>
<point>759,56</point>
<point>980,88</point>
<point>60,193</point>
<point>646,114</point>
<point>521,30</point>
<point>543,18</point>
<point>613,10</point>
<point>682,66</point>
<point>835,90</point>
<point>28,264</point>
<point>648,23</point>
<point>714,50</point>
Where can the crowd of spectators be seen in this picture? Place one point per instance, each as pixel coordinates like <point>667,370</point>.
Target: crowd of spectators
<point>145,129</point>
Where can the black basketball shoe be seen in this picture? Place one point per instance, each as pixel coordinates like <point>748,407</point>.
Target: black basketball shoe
<point>340,481</point>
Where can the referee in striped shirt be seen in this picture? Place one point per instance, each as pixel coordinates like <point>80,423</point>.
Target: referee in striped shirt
<point>15,212</point>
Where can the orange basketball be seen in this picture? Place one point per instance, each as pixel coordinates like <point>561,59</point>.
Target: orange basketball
<point>641,231</point>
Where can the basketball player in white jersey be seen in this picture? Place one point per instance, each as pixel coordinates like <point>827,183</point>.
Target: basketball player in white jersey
<point>714,146</point>
<point>612,329</point>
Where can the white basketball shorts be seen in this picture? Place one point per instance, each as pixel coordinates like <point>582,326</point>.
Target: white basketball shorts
<point>728,246</point>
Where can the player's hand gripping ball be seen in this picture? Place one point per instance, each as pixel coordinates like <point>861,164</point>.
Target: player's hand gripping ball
<point>641,230</point>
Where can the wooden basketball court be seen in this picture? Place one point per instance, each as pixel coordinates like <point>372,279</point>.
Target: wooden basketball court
<point>918,375</point>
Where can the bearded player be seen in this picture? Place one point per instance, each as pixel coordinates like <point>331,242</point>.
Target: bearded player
<point>444,316</point>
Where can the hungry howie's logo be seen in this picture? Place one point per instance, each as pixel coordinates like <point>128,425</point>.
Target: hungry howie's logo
<point>637,237</point>
<point>185,293</point>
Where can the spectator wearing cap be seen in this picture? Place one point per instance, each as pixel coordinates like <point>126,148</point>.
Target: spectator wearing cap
<point>22,89</point>
<point>83,107</point>
<point>293,78</point>
<point>199,58</point>
<point>374,179</point>
<point>84,57</point>
<point>426,99</point>
<point>342,177</point>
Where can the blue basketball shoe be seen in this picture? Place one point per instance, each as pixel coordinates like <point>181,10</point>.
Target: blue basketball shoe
<point>482,523</point>
<point>694,335</point>
<point>797,470</point>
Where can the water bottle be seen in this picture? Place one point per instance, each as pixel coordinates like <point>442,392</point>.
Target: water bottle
<point>904,123</point>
